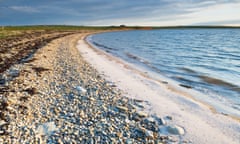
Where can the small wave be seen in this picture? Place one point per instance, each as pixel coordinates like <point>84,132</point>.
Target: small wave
<point>183,79</point>
<point>147,63</point>
<point>219,82</point>
<point>137,58</point>
<point>103,46</point>
<point>154,68</point>
<point>188,70</point>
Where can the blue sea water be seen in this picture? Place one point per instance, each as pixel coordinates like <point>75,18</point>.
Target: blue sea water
<point>207,60</point>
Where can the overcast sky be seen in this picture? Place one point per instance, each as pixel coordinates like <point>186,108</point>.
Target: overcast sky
<point>116,12</point>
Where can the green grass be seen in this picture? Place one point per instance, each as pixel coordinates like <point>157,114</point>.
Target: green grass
<point>58,27</point>
<point>15,30</point>
<point>7,33</point>
<point>72,27</point>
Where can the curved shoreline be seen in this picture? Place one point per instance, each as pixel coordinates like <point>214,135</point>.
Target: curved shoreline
<point>56,96</point>
<point>60,95</point>
<point>99,53</point>
<point>171,84</point>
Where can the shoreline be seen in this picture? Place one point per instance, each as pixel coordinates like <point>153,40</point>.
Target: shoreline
<point>179,87</point>
<point>205,109</point>
<point>60,95</point>
<point>55,96</point>
<point>169,83</point>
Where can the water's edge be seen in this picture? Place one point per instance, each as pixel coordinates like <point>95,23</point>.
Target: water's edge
<point>223,109</point>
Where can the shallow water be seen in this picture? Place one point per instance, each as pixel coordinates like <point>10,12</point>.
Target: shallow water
<point>207,60</point>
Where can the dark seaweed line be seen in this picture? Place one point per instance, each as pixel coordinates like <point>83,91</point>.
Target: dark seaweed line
<point>25,51</point>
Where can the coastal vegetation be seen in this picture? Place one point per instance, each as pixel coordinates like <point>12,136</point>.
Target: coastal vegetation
<point>6,31</point>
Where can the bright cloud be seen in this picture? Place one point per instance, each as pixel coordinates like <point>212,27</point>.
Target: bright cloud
<point>116,12</point>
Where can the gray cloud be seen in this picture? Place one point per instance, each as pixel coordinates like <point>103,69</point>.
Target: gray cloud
<point>99,11</point>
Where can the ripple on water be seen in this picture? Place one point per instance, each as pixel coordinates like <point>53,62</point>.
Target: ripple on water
<point>205,59</point>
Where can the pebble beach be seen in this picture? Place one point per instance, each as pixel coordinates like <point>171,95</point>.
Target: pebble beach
<point>55,96</point>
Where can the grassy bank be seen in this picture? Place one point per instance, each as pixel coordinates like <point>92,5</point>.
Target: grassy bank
<point>7,31</point>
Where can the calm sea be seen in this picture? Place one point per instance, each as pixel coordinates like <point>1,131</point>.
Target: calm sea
<point>207,60</point>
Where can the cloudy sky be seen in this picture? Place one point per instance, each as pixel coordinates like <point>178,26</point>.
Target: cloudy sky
<point>116,12</point>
